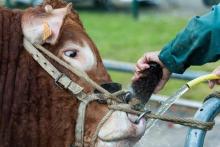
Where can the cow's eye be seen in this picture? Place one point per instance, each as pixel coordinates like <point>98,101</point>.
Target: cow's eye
<point>71,53</point>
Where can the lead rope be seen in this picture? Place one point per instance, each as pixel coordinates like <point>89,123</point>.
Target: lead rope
<point>182,121</point>
<point>111,98</point>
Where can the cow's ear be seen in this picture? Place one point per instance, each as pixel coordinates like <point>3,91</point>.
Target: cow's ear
<point>44,26</point>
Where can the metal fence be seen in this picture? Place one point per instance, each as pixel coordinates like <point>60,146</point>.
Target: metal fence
<point>129,68</point>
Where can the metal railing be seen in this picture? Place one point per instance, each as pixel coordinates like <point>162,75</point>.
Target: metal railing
<point>129,68</point>
<point>209,110</point>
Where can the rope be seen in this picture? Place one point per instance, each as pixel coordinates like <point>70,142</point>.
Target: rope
<point>83,75</point>
<point>182,121</point>
<point>112,100</point>
<point>113,97</point>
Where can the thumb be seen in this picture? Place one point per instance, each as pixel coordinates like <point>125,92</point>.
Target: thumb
<point>160,85</point>
<point>211,84</point>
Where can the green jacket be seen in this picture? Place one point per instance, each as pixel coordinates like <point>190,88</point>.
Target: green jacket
<point>197,44</point>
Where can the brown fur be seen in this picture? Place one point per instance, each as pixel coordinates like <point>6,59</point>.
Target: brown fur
<point>34,112</point>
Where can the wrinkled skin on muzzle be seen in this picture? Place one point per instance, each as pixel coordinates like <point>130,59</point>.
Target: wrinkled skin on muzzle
<point>121,131</point>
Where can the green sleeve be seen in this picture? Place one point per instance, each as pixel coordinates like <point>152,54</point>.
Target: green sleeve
<point>197,44</point>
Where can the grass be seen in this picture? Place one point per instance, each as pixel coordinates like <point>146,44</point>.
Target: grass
<point>120,37</point>
<point>120,32</point>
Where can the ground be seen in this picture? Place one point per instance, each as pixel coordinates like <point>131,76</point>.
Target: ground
<point>167,135</point>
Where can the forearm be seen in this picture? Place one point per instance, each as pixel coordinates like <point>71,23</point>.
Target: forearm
<point>197,44</point>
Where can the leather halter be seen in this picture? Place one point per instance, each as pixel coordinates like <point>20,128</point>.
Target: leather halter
<point>65,82</point>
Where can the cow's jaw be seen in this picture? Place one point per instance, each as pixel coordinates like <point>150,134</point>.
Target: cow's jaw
<point>120,130</point>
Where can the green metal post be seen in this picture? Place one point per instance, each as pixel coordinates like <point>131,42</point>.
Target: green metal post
<point>135,9</point>
<point>8,3</point>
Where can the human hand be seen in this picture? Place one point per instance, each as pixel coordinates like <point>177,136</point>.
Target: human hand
<point>212,83</point>
<point>142,64</point>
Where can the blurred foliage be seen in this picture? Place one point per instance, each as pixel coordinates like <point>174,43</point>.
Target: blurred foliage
<point>120,37</point>
<point>120,32</point>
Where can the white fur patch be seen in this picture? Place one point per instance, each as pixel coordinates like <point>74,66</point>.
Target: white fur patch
<point>85,58</point>
<point>120,131</point>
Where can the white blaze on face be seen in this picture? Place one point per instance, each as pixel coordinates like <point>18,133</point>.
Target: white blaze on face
<point>78,56</point>
<point>121,131</point>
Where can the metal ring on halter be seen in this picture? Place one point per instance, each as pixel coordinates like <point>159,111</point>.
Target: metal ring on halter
<point>141,116</point>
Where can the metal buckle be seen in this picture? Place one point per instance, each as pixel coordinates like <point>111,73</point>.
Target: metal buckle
<point>141,116</point>
<point>57,81</point>
<point>101,99</point>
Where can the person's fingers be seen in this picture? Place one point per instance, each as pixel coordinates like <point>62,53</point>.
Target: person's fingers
<point>163,81</point>
<point>137,69</point>
<point>141,67</point>
<point>211,84</point>
<point>152,56</point>
<point>140,61</point>
<point>142,64</point>
<point>136,76</point>
<point>159,86</point>
<point>133,78</point>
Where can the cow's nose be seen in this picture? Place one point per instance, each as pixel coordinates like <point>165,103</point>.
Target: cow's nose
<point>110,87</point>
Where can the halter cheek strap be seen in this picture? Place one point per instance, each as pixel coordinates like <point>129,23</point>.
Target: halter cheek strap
<point>65,82</point>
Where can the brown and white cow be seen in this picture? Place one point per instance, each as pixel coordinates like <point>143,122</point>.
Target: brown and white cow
<point>34,112</point>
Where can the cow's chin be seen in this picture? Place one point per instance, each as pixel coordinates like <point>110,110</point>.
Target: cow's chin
<point>121,131</point>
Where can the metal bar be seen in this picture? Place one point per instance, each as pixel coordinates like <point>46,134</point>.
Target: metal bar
<point>135,8</point>
<point>129,68</point>
<point>209,110</point>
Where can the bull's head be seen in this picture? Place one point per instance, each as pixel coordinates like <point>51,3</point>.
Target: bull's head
<point>57,26</point>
